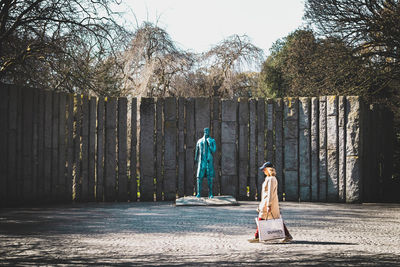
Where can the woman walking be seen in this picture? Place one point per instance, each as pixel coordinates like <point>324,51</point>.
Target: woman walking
<point>269,205</point>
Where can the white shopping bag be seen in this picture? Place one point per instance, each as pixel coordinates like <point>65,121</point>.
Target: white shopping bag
<point>270,229</point>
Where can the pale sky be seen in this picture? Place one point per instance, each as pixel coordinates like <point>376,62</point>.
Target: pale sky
<point>198,25</point>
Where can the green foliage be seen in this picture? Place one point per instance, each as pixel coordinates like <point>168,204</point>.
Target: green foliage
<point>303,65</point>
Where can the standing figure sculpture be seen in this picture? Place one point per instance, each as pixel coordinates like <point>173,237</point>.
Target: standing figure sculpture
<point>205,148</point>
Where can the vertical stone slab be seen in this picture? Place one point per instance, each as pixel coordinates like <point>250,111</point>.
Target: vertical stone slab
<point>387,148</point>
<point>305,148</point>
<point>85,150</point>
<point>20,165</point>
<point>12,145</point>
<point>371,181</point>
<point>216,134</point>
<point>47,143</point>
<point>62,146</point>
<point>229,168</point>
<point>314,148</point>
<point>322,189</point>
<point>243,146</point>
<point>41,162</point>
<point>291,148</point>
<point>190,172</point>
<point>100,150</point>
<point>110,156</point>
<point>253,168</point>
<point>35,141</point>
<point>353,150</point>
<point>159,148</point>
<point>332,148</point>
<point>181,147</point>
<point>146,154</point>
<point>27,140</point>
<point>202,120</point>
<point>92,148</point>
<point>70,146</point>
<point>55,148</point>
<point>133,192</point>
<point>279,146</point>
<point>270,131</point>
<point>122,149</point>
<point>342,148</point>
<point>3,143</point>
<point>170,139</point>
<point>260,143</point>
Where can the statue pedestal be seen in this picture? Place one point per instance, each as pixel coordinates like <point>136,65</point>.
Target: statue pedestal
<point>204,201</point>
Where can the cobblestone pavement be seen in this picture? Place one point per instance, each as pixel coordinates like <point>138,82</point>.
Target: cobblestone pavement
<point>154,234</point>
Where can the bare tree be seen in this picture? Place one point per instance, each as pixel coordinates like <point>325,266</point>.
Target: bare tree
<point>372,28</point>
<point>56,44</point>
<point>225,61</point>
<point>153,62</point>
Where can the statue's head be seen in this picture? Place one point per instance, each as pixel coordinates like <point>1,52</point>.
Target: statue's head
<point>206,132</point>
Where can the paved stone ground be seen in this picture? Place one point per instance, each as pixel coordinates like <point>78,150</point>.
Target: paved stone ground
<point>154,234</point>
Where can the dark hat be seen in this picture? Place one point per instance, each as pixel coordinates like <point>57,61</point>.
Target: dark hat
<point>266,164</point>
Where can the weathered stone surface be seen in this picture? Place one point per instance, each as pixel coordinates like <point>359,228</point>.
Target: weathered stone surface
<point>229,110</point>
<point>332,176</point>
<point>331,105</point>
<point>304,149</point>
<point>291,151</point>
<point>229,170</point>
<point>353,179</point>
<point>279,144</point>
<point>291,130</point>
<point>353,150</point>
<point>260,143</point>
<point>110,157</point>
<point>202,115</point>
<point>147,155</point>
<point>243,146</point>
<point>252,148</point>
<point>332,133</point>
<point>270,131</point>
<point>304,113</point>
<point>332,149</point>
<point>190,167</point>
<point>291,185</point>
<point>291,154</point>
<point>159,147</point>
<point>322,150</point>
<point>228,132</point>
<point>181,147</point>
<point>352,126</point>
<point>228,159</point>
<point>342,149</point>
<point>290,108</point>
<point>216,134</point>
<point>170,145</point>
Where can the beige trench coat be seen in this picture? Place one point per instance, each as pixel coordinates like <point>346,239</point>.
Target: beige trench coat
<point>269,198</point>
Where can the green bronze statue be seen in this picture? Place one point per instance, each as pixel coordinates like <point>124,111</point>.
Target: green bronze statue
<point>205,148</point>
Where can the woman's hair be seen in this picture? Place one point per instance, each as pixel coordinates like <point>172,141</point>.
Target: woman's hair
<point>270,171</point>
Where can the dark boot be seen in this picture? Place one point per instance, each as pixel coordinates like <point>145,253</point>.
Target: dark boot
<point>199,186</point>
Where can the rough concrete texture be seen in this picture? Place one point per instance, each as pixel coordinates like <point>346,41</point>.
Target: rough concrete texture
<point>155,234</point>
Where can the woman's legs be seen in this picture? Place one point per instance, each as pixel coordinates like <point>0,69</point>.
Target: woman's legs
<point>256,234</point>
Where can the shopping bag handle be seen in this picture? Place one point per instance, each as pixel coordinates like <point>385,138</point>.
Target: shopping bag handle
<point>271,215</point>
